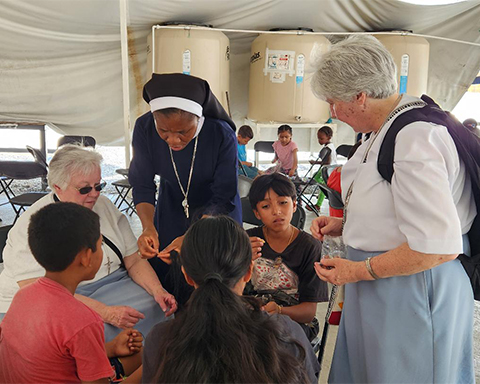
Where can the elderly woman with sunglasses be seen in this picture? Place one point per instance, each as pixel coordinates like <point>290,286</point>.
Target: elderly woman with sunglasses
<point>126,291</point>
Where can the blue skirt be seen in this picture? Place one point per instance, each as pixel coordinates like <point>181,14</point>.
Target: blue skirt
<point>119,289</point>
<point>406,329</point>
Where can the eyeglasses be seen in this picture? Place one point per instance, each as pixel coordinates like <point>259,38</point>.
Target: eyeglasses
<point>98,187</point>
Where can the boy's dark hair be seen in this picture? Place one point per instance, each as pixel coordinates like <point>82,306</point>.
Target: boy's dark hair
<point>245,131</point>
<point>326,130</point>
<point>58,232</point>
<point>281,184</point>
<point>284,128</point>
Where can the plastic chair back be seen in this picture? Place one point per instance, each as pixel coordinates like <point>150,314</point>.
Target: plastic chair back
<point>334,198</point>
<point>3,238</point>
<point>241,168</point>
<point>86,141</point>
<point>262,146</point>
<point>344,150</point>
<point>327,170</point>
<point>244,184</point>
<point>22,170</point>
<point>38,156</point>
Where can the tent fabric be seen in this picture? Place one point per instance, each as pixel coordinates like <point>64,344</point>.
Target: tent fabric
<point>60,60</point>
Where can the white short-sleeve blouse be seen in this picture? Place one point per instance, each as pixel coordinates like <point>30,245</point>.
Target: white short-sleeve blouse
<point>429,203</point>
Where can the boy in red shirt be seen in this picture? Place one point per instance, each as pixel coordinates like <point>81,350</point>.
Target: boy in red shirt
<point>48,336</point>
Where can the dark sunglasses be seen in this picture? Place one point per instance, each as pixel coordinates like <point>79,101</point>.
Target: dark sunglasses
<point>86,190</point>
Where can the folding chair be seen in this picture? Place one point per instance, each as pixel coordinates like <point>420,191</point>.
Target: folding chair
<point>334,198</point>
<point>37,156</point>
<point>344,150</point>
<point>302,185</point>
<point>248,216</point>
<point>123,172</point>
<point>241,168</point>
<point>327,170</point>
<point>87,141</point>
<point>3,238</point>
<point>23,170</point>
<point>40,159</point>
<point>244,184</point>
<point>123,187</point>
<point>262,146</point>
<point>5,187</point>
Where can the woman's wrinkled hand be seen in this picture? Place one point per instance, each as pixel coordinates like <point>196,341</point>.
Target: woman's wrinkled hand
<point>257,244</point>
<point>122,316</point>
<point>326,225</point>
<point>166,301</point>
<point>148,243</point>
<point>337,271</point>
<point>126,343</point>
<point>175,245</point>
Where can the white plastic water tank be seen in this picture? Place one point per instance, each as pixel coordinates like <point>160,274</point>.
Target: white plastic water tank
<point>280,82</point>
<point>411,54</point>
<point>195,51</point>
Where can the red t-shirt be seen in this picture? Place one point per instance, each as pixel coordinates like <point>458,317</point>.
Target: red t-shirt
<point>48,336</point>
<point>334,182</point>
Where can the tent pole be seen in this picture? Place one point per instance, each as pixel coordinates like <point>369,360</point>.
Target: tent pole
<point>125,77</point>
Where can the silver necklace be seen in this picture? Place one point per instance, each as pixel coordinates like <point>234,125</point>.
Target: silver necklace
<point>108,263</point>
<point>185,193</point>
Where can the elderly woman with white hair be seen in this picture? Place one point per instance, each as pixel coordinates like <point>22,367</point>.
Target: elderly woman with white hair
<point>125,292</point>
<point>408,309</point>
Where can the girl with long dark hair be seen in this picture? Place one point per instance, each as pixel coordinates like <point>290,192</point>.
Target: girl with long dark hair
<point>222,337</point>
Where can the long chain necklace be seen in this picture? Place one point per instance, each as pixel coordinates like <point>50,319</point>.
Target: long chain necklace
<point>185,193</point>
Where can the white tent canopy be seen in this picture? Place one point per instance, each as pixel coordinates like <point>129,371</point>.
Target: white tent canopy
<point>61,60</point>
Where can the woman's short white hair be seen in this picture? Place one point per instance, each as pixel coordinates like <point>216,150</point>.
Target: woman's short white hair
<point>360,63</point>
<point>71,159</point>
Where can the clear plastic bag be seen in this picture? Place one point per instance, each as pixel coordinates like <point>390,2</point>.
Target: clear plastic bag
<point>333,247</point>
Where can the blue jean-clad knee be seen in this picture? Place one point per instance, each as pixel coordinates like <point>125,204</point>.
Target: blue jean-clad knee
<point>119,289</point>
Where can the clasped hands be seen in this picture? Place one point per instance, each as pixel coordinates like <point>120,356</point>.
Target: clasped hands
<point>126,343</point>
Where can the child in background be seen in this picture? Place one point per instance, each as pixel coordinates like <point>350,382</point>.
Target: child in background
<point>283,254</point>
<point>324,137</point>
<point>48,336</point>
<point>285,152</point>
<point>245,134</point>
